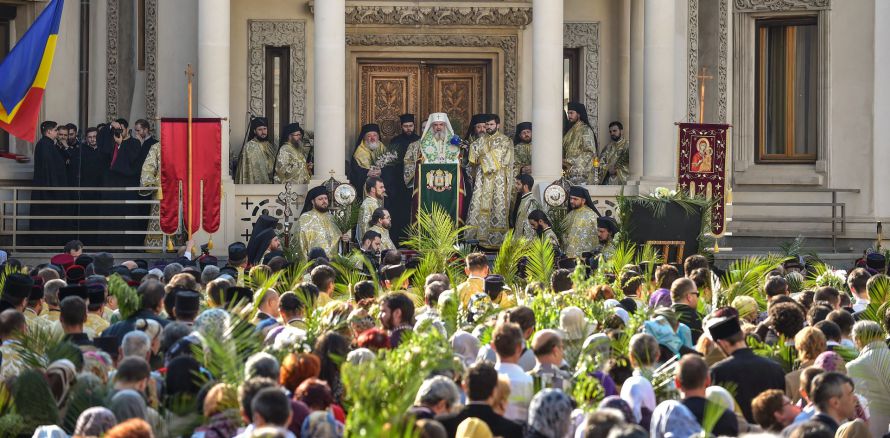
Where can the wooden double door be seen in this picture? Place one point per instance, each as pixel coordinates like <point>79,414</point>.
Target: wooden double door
<point>389,89</point>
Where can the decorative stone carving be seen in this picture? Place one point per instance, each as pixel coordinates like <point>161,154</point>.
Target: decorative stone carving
<point>291,33</point>
<point>507,43</point>
<point>414,15</point>
<point>693,61</point>
<point>151,61</point>
<point>781,5</point>
<point>586,36</point>
<point>111,66</point>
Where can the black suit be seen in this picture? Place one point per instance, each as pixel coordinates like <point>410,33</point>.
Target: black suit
<point>499,425</point>
<point>727,425</point>
<point>689,316</point>
<point>751,374</point>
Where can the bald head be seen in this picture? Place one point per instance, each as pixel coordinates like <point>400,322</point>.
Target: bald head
<point>546,342</point>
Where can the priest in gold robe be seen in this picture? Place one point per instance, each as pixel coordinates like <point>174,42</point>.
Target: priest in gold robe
<point>151,177</point>
<point>580,224</point>
<point>290,166</point>
<point>375,192</point>
<point>524,204</point>
<point>579,146</point>
<point>492,158</point>
<point>522,149</point>
<point>381,222</point>
<point>615,161</point>
<point>371,157</point>
<point>257,160</point>
<point>316,227</point>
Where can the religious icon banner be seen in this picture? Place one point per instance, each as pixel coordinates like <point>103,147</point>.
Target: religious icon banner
<point>439,184</point>
<point>205,174</point>
<point>702,166</point>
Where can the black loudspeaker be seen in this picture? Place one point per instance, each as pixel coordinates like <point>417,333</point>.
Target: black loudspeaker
<point>676,224</point>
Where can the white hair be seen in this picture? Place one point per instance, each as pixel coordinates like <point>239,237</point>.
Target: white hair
<point>136,343</point>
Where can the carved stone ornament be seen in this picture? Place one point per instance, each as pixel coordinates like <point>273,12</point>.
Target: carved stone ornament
<point>781,5</point>
<point>151,61</point>
<point>507,43</point>
<point>413,15</point>
<point>586,37</point>
<point>112,79</point>
<point>692,85</point>
<point>262,33</point>
<point>112,14</point>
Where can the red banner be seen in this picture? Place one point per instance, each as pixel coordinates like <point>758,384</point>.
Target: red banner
<point>206,182</point>
<point>702,166</point>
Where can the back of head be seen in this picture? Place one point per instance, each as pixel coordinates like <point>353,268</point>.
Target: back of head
<point>507,339</point>
<point>829,294</point>
<point>524,316</point>
<point>630,282</point>
<point>51,291</point>
<point>272,405</point>
<point>765,406</point>
<point>865,332</point>
<point>830,330</point>
<point>818,312</point>
<point>775,285</point>
<point>152,294</point>
<point>363,290</point>
<point>480,381</point>
<point>628,431</point>
<point>681,288</point>
<point>693,262</point>
<point>136,344</point>
<point>561,280</point>
<point>857,281</point>
<point>476,262</point>
<point>692,372</point>
<point>323,277</point>
<point>600,422</point>
<point>11,321</point>
<point>809,342</point>
<point>811,429</point>
<point>132,370</point>
<point>644,349</point>
<point>249,389</point>
<point>432,291</point>
<point>787,319</point>
<point>807,376</point>
<point>262,365</point>
<point>843,319</point>
<point>435,390</point>
<point>665,276</point>
<point>400,301</point>
<point>73,311</point>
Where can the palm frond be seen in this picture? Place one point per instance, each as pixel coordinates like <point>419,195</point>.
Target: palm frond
<point>128,301</point>
<point>878,299</point>
<point>34,401</point>
<point>224,355</point>
<point>349,273</point>
<point>84,395</point>
<point>539,261</point>
<point>346,218</point>
<point>512,250</point>
<point>558,219</point>
<point>823,274</point>
<point>435,235</point>
<point>745,277</point>
<point>39,346</point>
<point>793,248</point>
<point>292,276</point>
<point>624,253</point>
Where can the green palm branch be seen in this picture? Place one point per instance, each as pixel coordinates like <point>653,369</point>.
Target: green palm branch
<point>435,235</point>
<point>34,401</point>
<point>821,275</point>
<point>349,273</point>
<point>506,264</point>
<point>558,219</point>
<point>39,346</point>
<point>292,276</point>
<point>539,261</point>
<point>346,218</point>
<point>878,300</point>
<point>745,277</point>
<point>224,355</point>
<point>624,253</point>
<point>128,301</point>
<point>10,422</point>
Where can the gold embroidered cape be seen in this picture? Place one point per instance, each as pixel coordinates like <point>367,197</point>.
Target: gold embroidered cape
<point>318,230</point>
<point>291,166</point>
<point>616,155</point>
<point>255,164</point>
<point>581,234</point>
<point>489,215</point>
<point>578,149</point>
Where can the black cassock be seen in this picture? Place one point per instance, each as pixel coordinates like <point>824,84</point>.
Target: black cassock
<point>49,171</point>
<point>124,171</point>
<point>398,199</point>
<point>87,168</point>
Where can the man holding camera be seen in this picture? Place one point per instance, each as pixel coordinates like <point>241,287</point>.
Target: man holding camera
<point>124,171</point>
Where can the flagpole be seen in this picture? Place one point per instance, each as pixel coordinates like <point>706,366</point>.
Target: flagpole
<point>189,73</point>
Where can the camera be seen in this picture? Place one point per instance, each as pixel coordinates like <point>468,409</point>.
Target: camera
<point>117,131</point>
<point>205,249</point>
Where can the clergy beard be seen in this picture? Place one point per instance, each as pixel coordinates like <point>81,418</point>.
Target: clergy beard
<point>439,136</point>
<point>297,144</point>
<point>72,142</point>
<point>491,131</point>
<point>262,137</point>
<point>321,210</point>
<point>373,145</point>
<point>614,138</point>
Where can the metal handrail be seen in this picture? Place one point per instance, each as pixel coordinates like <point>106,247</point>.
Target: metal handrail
<point>10,217</point>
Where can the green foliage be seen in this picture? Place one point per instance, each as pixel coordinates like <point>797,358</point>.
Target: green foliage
<point>349,272</point>
<point>823,274</point>
<point>378,393</point>
<point>558,219</point>
<point>39,346</point>
<point>85,394</point>
<point>128,301</point>
<point>224,355</point>
<point>434,236</point>
<point>879,300</point>
<point>346,217</point>
<point>539,261</point>
<point>512,250</point>
<point>588,390</point>
<point>746,277</point>
<point>292,276</point>
<point>10,422</point>
<point>34,401</point>
<point>785,355</point>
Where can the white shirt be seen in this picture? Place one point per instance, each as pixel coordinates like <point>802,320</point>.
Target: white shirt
<point>859,304</point>
<point>527,360</point>
<point>522,389</point>
<point>638,393</point>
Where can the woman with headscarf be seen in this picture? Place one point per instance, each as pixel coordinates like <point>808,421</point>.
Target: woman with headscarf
<point>869,373</point>
<point>128,404</point>
<point>549,415</point>
<point>95,421</point>
<point>60,376</point>
<point>466,346</point>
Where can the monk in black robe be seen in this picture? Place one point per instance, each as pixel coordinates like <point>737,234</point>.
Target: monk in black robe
<point>90,166</point>
<point>398,199</point>
<point>49,171</point>
<point>123,172</point>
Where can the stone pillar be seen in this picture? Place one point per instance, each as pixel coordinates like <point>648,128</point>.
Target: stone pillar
<point>212,75</point>
<point>330,89</point>
<point>881,148</point>
<point>635,126</point>
<point>659,144</point>
<point>547,90</point>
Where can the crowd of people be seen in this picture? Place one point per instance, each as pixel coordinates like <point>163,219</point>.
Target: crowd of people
<point>97,346</point>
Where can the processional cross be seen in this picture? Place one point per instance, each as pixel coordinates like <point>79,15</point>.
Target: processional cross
<point>702,77</point>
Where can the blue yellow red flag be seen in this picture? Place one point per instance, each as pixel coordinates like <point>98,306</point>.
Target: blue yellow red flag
<point>25,71</point>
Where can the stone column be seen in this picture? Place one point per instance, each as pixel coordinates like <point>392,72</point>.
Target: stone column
<point>547,90</point>
<point>212,75</point>
<point>635,127</point>
<point>881,148</point>
<point>659,143</point>
<point>330,89</point>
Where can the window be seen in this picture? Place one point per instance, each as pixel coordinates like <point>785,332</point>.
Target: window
<point>277,89</point>
<point>786,91</point>
<point>571,71</point>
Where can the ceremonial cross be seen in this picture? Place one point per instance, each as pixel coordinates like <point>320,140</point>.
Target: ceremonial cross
<point>702,77</point>
<point>245,234</point>
<point>247,203</point>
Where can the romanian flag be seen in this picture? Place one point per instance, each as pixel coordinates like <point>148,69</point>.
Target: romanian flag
<point>25,71</point>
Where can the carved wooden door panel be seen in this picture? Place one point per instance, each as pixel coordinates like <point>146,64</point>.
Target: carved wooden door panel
<point>387,91</point>
<point>457,90</point>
